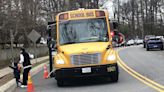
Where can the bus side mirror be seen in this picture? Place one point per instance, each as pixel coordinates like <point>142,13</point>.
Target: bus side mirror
<point>54,47</point>
<point>52,44</point>
<point>116,36</point>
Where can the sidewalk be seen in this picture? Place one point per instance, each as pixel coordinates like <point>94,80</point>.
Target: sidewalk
<point>8,70</point>
<point>11,85</point>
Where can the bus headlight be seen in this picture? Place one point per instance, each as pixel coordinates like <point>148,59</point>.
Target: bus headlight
<point>111,58</point>
<point>60,62</point>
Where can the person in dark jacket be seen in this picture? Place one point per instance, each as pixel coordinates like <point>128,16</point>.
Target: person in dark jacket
<point>16,73</point>
<point>25,61</point>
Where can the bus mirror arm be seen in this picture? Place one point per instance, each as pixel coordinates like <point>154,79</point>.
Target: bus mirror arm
<point>108,47</point>
<point>52,23</point>
<point>111,39</point>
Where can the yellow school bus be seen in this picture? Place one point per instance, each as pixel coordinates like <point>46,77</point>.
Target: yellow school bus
<point>84,46</point>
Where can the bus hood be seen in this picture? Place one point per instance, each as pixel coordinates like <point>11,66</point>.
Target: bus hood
<point>84,48</point>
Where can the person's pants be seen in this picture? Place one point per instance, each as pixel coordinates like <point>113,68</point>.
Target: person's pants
<point>25,75</point>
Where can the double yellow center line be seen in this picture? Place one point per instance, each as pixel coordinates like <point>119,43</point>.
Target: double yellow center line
<point>138,76</point>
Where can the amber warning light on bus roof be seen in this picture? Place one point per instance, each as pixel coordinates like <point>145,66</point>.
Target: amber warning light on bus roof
<point>100,13</point>
<point>63,16</point>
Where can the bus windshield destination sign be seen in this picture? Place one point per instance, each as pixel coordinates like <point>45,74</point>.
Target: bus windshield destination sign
<point>82,15</point>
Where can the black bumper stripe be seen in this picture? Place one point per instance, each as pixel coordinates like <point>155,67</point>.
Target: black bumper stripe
<point>100,70</point>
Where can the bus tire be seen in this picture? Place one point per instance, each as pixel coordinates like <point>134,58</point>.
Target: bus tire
<point>144,46</point>
<point>60,83</point>
<point>161,48</point>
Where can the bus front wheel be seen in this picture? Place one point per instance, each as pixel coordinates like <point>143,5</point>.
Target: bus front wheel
<point>60,83</point>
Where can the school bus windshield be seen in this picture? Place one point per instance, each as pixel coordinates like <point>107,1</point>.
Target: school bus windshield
<point>81,31</point>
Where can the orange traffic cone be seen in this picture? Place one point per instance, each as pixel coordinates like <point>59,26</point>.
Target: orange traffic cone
<point>45,72</point>
<point>30,87</point>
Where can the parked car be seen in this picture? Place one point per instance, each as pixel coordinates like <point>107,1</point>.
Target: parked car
<point>43,41</point>
<point>130,42</point>
<point>146,39</point>
<point>138,41</point>
<point>160,37</point>
<point>154,43</point>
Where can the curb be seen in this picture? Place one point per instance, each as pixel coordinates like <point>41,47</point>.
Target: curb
<point>11,85</point>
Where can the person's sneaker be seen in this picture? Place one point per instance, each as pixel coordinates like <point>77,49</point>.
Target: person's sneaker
<point>23,86</point>
<point>19,84</point>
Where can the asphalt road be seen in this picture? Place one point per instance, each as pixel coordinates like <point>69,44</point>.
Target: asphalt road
<point>149,64</point>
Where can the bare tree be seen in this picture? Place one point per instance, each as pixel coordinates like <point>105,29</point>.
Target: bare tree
<point>22,16</point>
<point>143,17</point>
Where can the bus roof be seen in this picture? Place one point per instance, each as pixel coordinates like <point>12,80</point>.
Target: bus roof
<point>81,14</point>
<point>81,10</point>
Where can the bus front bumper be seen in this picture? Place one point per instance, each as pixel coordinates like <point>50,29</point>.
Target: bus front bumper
<point>89,71</point>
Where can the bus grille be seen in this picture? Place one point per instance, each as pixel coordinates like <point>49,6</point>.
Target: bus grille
<point>85,59</point>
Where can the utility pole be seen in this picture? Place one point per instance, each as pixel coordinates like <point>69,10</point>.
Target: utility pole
<point>133,21</point>
<point>11,40</point>
<point>118,11</point>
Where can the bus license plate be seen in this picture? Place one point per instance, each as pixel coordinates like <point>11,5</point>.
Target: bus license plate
<point>86,70</point>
